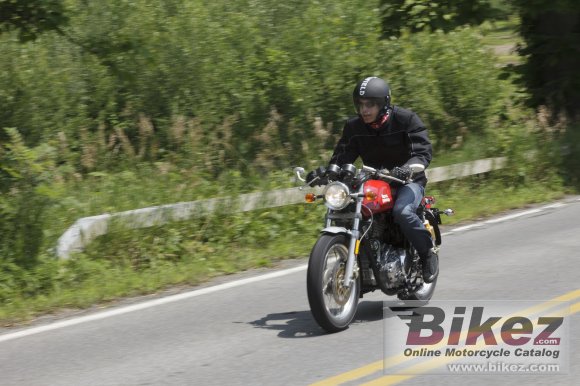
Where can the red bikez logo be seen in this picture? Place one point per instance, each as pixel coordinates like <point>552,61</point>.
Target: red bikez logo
<point>425,328</point>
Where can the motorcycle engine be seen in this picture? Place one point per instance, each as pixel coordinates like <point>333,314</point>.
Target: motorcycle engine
<point>391,262</point>
<point>385,241</point>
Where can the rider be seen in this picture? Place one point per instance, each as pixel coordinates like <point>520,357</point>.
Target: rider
<point>391,137</point>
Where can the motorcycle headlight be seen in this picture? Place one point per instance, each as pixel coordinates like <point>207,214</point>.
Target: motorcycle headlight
<point>336,196</point>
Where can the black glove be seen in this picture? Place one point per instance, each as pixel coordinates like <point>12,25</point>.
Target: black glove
<point>319,172</point>
<point>402,172</point>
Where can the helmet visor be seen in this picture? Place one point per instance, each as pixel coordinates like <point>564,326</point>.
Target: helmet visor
<point>359,103</point>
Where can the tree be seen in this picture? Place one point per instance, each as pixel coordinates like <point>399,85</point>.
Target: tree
<point>417,15</point>
<point>31,17</point>
<point>551,31</point>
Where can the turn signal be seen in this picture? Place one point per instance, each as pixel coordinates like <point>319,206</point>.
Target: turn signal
<point>310,197</point>
<point>370,195</point>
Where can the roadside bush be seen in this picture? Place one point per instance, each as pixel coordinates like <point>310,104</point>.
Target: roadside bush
<point>450,80</point>
<point>25,177</point>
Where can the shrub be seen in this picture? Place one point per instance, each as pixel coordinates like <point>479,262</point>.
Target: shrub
<point>25,176</point>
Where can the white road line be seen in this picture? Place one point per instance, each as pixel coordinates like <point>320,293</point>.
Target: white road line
<point>505,218</point>
<point>221,287</point>
<point>148,304</point>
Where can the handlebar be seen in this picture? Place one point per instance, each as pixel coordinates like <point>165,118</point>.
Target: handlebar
<point>383,174</point>
<point>299,171</point>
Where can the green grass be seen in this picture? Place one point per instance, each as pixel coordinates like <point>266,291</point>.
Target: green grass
<point>500,32</point>
<point>473,149</point>
<point>485,200</point>
<point>144,186</point>
<point>502,38</point>
<point>106,282</point>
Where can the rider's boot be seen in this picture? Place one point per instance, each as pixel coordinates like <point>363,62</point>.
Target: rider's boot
<point>430,263</point>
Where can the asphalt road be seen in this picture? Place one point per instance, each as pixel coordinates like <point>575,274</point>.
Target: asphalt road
<point>260,331</point>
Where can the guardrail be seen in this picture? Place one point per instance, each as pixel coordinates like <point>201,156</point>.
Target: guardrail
<point>86,229</point>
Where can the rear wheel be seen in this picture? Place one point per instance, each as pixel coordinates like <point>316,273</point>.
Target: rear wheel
<point>332,304</point>
<point>421,291</point>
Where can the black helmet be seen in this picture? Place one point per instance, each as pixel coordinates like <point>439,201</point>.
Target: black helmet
<point>372,88</point>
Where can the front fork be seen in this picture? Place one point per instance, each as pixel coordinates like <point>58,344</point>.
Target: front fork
<point>349,276</point>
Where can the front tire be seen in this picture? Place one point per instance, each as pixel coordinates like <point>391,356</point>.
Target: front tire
<point>333,305</point>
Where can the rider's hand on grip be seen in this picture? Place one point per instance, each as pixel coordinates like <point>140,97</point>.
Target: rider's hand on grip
<point>402,172</point>
<point>316,177</point>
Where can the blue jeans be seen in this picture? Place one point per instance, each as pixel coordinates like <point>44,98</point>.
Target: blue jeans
<point>405,214</point>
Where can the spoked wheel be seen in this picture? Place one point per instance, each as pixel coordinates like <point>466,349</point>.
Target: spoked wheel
<point>422,291</point>
<point>332,304</point>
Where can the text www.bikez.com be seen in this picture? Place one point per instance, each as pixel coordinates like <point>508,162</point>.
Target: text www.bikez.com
<point>501,367</point>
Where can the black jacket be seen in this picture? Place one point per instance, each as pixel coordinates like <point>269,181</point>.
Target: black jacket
<point>402,140</point>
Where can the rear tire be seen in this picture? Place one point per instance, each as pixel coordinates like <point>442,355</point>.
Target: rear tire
<point>333,305</point>
<point>424,292</point>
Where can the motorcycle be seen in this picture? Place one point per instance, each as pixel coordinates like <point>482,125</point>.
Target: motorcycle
<point>361,248</point>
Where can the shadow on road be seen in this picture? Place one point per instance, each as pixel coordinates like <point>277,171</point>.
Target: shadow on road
<point>301,324</point>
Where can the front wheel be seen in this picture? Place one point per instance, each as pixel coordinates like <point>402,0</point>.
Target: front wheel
<point>332,304</point>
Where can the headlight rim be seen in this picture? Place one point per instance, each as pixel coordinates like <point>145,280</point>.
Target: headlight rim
<point>344,187</point>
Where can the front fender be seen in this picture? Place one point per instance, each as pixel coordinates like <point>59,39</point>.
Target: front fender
<point>335,231</point>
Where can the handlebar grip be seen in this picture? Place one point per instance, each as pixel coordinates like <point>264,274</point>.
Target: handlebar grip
<point>391,178</point>
<point>369,169</point>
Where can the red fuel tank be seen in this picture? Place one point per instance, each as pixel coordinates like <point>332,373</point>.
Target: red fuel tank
<point>383,200</point>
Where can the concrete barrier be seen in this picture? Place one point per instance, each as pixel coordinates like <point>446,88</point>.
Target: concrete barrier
<point>86,229</point>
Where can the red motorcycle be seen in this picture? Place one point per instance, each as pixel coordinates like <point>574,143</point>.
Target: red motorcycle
<point>361,248</point>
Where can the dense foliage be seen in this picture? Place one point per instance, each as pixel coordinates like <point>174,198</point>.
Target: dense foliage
<point>31,17</point>
<point>419,15</point>
<point>250,81</point>
<point>551,31</point>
